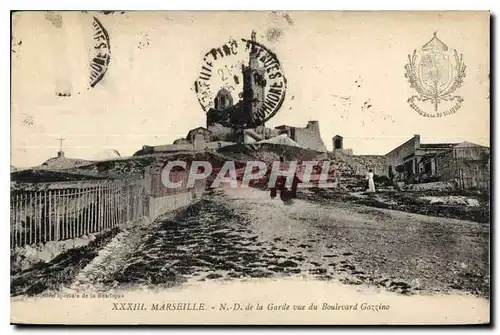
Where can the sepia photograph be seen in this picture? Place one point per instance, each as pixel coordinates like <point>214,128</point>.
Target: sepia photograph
<point>250,168</point>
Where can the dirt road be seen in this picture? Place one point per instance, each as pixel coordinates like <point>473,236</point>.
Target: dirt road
<point>243,233</point>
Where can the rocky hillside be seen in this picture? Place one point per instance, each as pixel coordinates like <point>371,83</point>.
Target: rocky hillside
<point>136,166</point>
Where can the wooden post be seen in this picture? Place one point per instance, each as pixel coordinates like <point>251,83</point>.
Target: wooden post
<point>129,189</point>
<point>103,208</point>
<point>67,227</point>
<point>110,206</point>
<point>60,206</point>
<point>117,205</point>
<point>114,206</point>
<point>96,208</point>
<point>112,209</point>
<point>45,222</point>
<point>16,219</point>
<point>56,216</point>
<point>92,210</point>
<point>76,223</point>
<point>65,214</point>
<point>20,219</point>
<point>60,218</point>
<point>89,210</point>
<point>25,201</point>
<point>12,221</point>
<point>40,220</point>
<point>112,212</point>
<point>33,198</point>
<point>117,208</point>
<point>131,203</point>
<point>84,212</point>
<point>49,213</point>
<point>100,216</point>
<point>106,209</point>
<point>81,212</point>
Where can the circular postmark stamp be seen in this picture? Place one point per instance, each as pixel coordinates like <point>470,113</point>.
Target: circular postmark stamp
<point>101,53</point>
<point>243,79</point>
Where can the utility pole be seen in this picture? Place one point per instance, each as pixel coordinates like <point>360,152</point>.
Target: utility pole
<point>60,143</point>
<point>61,152</point>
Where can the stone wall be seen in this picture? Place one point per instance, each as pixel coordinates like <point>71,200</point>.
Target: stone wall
<point>173,147</point>
<point>364,163</point>
<point>165,204</point>
<point>308,137</point>
<point>361,164</point>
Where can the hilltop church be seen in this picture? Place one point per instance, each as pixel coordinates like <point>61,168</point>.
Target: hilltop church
<point>229,123</point>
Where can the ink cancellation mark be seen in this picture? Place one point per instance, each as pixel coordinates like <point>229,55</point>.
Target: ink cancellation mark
<point>435,74</point>
<point>101,53</point>
<point>244,71</point>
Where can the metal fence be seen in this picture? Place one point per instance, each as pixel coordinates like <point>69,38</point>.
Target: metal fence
<point>67,210</point>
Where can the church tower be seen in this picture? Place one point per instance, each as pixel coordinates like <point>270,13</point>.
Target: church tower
<point>254,83</point>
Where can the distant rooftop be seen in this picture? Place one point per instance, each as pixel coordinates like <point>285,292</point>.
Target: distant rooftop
<point>437,145</point>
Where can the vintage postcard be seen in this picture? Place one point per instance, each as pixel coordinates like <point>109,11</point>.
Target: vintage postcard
<point>250,167</point>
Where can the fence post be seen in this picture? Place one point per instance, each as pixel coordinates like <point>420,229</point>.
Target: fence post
<point>78,226</point>
<point>110,205</point>
<point>81,211</point>
<point>106,204</point>
<point>35,213</point>
<point>86,207</point>
<point>93,210</point>
<point>26,213</point>
<point>84,212</point>
<point>88,210</point>
<point>101,216</point>
<point>103,207</point>
<point>40,221</point>
<point>16,221</point>
<point>12,221</point>
<point>60,205</point>
<point>113,197</point>
<point>49,213</point>
<point>129,189</point>
<point>56,216</point>
<point>66,214</point>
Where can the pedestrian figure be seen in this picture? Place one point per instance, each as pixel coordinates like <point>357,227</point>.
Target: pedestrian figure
<point>371,183</point>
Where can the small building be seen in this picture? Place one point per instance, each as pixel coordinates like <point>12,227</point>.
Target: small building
<point>465,163</point>
<point>338,142</point>
<point>204,132</point>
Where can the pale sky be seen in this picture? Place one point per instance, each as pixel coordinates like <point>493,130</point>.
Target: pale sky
<point>334,62</point>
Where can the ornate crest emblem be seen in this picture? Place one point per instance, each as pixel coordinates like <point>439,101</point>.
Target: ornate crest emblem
<point>436,75</point>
